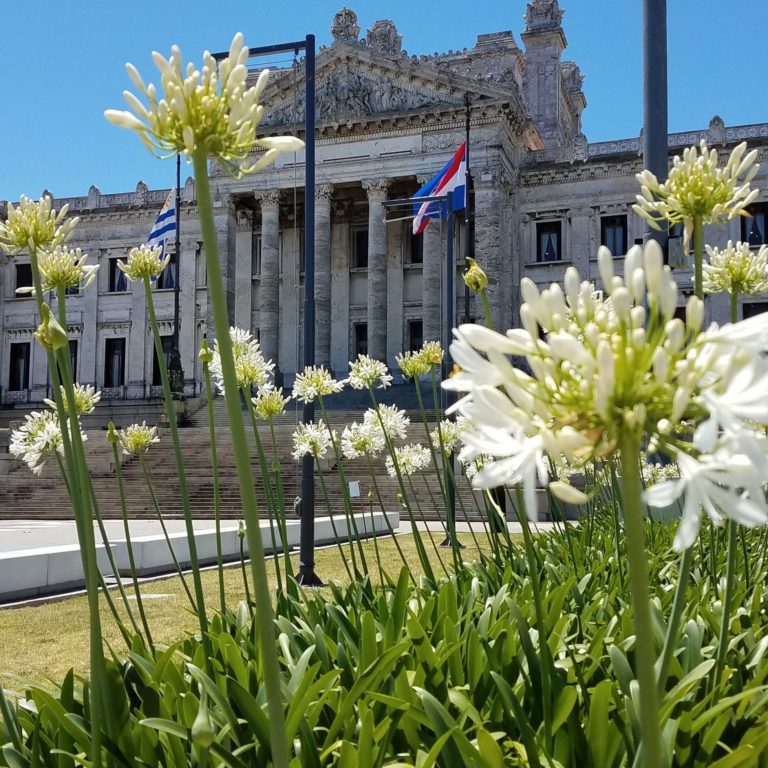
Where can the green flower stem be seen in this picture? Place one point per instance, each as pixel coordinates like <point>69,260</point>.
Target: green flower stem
<point>159,514</point>
<point>351,523</point>
<point>640,591</point>
<point>541,625</point>
<point>129,547</point>
<point>216,485</point>
<point>386,517</point>
<point>730,574</point>
<point>170,411</point>
<point>264,613</point>
<point>81,502</point>
<point>273,513</point>
<point>414,496</point>
<point>333,522</point>
<point>280,501</point>
<point>486,308</point>
<point>698,256</point>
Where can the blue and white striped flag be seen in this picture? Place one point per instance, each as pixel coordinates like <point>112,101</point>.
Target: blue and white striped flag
<point>165,224</point>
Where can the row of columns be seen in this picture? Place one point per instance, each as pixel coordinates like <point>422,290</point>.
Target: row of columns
<point>377,306</point>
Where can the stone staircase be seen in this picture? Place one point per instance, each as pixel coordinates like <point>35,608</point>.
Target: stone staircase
<point>24,495</point>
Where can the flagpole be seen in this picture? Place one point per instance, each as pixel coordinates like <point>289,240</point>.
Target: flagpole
<point>175,370</point>
<point>467,243</point>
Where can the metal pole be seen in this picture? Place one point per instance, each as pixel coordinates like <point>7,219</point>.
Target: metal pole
<point>307,575</point>
<point>467,179</point>
<point>450,270</point>
<point>175,369</point>
<point>655,97</point>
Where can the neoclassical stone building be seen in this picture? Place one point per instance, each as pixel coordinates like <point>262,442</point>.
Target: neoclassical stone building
<point>544,198</point>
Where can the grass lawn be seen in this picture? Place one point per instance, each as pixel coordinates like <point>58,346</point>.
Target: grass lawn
<point>45,640</point>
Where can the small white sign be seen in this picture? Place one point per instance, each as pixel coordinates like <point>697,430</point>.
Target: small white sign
<point>354,489</point>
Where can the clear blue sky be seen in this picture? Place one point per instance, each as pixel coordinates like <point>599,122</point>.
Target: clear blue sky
<point>63,64</point>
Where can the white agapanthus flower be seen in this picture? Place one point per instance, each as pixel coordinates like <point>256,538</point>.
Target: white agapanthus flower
<point>411,458</point>
<point>312,440</point>
<point>251,369</point>
<point>38,439</point>
<point>365,373</point>
<point>447,437</point>
<point>736,269</point>
<point>313,382</point>
<point>362,439</point>
<point>617,367</point>
<point>269,402</point>
<point>696,187</point>
<point>61,268</point>
<point>210,109</point>
<point>85,396</point>
<point>34,224</point>
<point>136,439</point>
<point>391,419</point>
<point>144,261</point>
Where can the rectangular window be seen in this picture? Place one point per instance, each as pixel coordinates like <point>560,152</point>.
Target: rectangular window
<point>415,247</point>
<point>360,248</point>
<point>167,342</point>
<point>415,335</point>
<point>256,258</point>
<point>166,280</point>
<point>73,357</point>
<point>114,362</point>
<point>201,267</point>
<point>613,234</point>
<point>754,228</point>
<point>548,241</point>
<point>752,308</point>
<point>360,339</point>
<point>24,276</point>
<point>18,377</point>
<point>118,282</point>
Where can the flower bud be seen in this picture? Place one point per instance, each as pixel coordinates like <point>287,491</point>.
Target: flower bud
<point>605,265</point>
<point>112,436</point>
<point>203,731</point>
<point>206,353</point>
<point>694,314</point>
<point>474,278</point>
<point>49,333</point>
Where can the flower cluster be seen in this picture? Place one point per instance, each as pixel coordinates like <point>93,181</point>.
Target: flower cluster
<point>37,439</point>
<point>736,269</point>
<point>312,440</point>
<point>85,396</point>
<point>415,364</point>
<point>390,419</point>
<point>136,439</point>
<point>34,224</point>
<point>269,402</point>
<point>696,187</point>
<point>614,367</point>
<point>62,267</point>
<point>446,437</point>
<point>410,459</point>
<point>654,473</point>
<point>144,262</point>
<point>365,439</point>
<point>313,382</point>
<point>251,369</point>
<point>366,373</point>
<point>210,110</point>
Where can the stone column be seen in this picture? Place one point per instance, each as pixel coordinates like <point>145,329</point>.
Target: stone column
<point>269,285</point>
<point>323,275</point>
<point>377,268</point>
<point>488,237</point>
<point>432,280</point>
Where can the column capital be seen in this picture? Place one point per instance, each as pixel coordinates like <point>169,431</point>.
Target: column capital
<point>376,188</point>
<point>244,218</point>
<point>268,197</point>
<point>323,191</point>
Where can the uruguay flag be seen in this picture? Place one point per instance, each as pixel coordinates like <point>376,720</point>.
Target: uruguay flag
<point>165,224</point>
<point>451,178</point>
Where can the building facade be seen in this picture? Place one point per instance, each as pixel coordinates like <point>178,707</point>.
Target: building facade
<point>544,198</point>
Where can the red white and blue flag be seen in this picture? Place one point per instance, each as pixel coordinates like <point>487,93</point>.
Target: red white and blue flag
<point>451,178</point>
